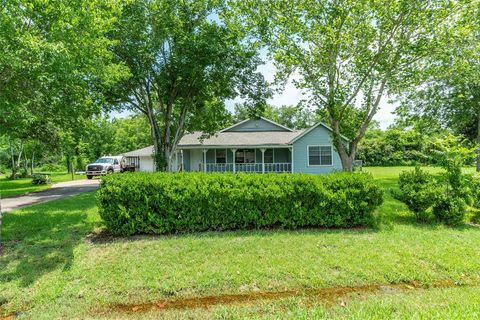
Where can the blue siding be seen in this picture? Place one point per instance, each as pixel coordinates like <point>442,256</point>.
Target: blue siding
<point>258,156</point>
<point>259,125</point>
<point>186,160</point>
<point>318,136</point>
<point>281,155</point>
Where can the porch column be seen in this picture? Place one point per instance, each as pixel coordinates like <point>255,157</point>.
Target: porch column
<point>263,160</point>
<point>204,160</point>
<point>291,158</point>
<point>234,151</point>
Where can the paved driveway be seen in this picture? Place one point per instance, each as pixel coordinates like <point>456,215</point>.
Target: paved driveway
<point>58,191</point>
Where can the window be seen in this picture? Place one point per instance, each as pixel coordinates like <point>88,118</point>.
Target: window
<point>220,156</point>
<point>245,156</point>
<point>320,156</point>
<point>268,156</point>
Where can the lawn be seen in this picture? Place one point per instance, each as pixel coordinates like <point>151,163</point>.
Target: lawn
<point>11,188</point>
<point>57,263</point>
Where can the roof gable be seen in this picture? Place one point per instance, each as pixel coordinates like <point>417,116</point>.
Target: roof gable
<point>256,125</point>
<point>306,132</point>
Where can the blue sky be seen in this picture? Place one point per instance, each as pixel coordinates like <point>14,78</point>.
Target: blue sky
<point>291,96</point>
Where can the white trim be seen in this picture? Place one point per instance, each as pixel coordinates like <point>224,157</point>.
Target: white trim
<point>262,118</point>
<point>277,124</point>
<point>292,159</point>
<point>205,160</point>
<point>234,151</point>
<point>254,155</point>
<point>239,146</point>
<point>263,159</point>
<point>319,165</point>
<point>304,133</point>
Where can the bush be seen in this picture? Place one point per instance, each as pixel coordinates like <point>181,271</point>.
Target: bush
<point>419,191</point>
<point>53,167</point>
<point>475,191</point>
<point>450,210</point>
<point>41,179</point>
<point>186,202</point>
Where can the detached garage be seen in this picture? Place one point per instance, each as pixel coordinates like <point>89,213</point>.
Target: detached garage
<point>142,159</point>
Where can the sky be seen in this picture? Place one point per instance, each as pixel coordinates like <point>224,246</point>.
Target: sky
<point>291,96</point>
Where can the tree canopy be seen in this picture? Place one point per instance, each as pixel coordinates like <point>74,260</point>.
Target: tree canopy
<point>450,93</point>
<point>184,63</point>
<point>347,54</point>
<point>54,57</point>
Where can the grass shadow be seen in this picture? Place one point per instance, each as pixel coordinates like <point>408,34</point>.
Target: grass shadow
<point>41,238</point>
<point>105,237</point>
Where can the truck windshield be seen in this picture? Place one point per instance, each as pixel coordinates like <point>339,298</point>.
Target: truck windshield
<point>104,160</point>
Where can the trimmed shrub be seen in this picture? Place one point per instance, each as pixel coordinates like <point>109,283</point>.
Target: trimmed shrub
<point>450,210</point>
<point>186,202</point>
<point>419,191</point>
<point>39,178</point>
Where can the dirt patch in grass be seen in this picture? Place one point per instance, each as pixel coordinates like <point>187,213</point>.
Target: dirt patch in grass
<point>329,296</point>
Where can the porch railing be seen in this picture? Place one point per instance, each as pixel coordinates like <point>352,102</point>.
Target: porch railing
<point>247,167</point>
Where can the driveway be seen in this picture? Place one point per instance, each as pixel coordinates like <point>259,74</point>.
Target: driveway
<point>58,191</point>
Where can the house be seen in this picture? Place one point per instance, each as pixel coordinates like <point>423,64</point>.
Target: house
<point>252,145</point>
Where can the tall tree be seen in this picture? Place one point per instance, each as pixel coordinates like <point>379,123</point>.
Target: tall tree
<point>53,61</point>
<point>347,54</point>
<point>452,76</point>
<point>184,63</point>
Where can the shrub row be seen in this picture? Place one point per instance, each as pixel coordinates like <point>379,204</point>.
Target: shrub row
<point>184,202</point>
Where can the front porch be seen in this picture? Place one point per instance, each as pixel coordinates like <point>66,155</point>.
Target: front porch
<point>253,160</point>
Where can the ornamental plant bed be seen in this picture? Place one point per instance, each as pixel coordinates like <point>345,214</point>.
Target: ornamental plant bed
<point>188,202</point>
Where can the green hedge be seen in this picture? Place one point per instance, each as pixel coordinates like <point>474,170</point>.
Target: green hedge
<point>184,202</point>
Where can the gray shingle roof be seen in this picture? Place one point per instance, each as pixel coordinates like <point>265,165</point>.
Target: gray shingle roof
<point>225,139</point>
<point>144,152</point>
<point>270,138</point>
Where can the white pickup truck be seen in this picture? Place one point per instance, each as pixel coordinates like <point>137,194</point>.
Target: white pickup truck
<point>106,165</point>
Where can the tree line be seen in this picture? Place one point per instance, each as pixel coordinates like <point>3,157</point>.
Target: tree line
<point>176,63</point>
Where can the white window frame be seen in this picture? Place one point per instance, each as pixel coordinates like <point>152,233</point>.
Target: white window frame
<point>254,156</point>
<point>226,156</point>
<point>319,165</point>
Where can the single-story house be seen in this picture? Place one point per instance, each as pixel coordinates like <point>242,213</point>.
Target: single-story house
<point>252,145</point>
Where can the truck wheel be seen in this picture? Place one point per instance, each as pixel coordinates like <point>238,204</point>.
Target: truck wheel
<point>89,177</point>
<point>110,171</point>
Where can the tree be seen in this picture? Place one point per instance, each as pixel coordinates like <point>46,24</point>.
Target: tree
<point>347,54</point>
<point>452,75</point>
<point>53,61</point>
<point>294,117</point>
<point>185,61</point>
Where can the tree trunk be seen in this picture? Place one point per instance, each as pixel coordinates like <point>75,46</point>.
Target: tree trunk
<point>14,173</point>
<point>159,155</point>
<point>25,163</point>
<point>478,142</point>
<point>32,163</point>
<point>346,157</point>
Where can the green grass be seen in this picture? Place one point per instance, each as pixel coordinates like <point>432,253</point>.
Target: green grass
<point>12,188</point>
<point>55,265</point>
